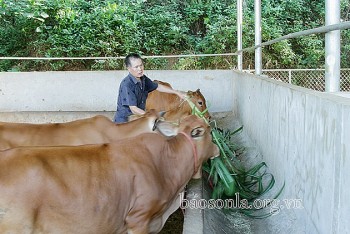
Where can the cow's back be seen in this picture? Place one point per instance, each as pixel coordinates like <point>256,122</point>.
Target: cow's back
<point>95,130</point>
<point>90,130</point>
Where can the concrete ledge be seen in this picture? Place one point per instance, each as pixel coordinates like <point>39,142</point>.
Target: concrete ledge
<point>50,116</point>
<point>193,221</point>
<point>342,94</point>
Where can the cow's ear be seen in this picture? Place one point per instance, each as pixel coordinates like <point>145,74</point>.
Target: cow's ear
<point>198,90</point>
<point>197,132</point>
<point>167,129</point>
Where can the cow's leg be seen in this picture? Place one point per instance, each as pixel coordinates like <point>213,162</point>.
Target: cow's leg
<point>137,222</point>
<point>198,174</point>
<point>138,230</point>
<point>139,218</point>
<point>15,221</point>
<point>157,224</point>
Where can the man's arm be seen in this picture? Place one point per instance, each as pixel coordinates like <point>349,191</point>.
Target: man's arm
<point>166,89</point>
<point>136,111</point>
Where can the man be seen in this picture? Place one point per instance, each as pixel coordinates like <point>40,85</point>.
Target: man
<point>134,89</point>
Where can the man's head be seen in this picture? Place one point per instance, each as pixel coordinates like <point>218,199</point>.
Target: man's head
<point>134,64</point>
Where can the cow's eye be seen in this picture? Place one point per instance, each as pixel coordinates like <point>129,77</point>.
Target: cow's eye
<point>200,103</point>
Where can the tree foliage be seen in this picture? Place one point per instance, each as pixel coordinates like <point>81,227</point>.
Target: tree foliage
<point>99,28</point>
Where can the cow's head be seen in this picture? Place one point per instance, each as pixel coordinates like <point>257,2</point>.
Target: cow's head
<point>151,116</point>
<point>198,134</point>
<point>198,99</point>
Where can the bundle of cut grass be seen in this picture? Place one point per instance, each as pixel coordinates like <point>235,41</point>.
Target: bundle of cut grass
<point>228,177</point>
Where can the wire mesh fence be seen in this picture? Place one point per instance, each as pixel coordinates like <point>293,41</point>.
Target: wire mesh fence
<point>308,78</point>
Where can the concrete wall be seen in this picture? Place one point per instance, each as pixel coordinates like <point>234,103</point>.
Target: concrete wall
<point>97,91</point>
<point>304,137</point>
<point>40,97</point>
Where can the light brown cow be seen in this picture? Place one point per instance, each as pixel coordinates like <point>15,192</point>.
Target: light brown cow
<point>175,108</point>
<point>95,130</point>
<point>119,187</point>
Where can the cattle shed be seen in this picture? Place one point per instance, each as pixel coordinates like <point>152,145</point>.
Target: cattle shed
<point>302,135</point>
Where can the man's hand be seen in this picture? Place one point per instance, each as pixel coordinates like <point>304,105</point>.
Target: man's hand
<point>165,89</point>
<point>136,111</point>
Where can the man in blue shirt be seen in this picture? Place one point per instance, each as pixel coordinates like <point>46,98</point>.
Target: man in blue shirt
<point>134,89</point>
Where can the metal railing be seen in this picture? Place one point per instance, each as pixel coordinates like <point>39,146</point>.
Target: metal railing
<point>308,78</point>
<point>316,80</point>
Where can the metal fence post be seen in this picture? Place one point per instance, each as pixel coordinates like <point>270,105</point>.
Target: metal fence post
<point>290,76</point>
<point>258,57</point>
<point>332,40</point>
<point>239,34</point>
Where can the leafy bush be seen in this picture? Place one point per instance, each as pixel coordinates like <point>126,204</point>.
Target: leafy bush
<point>85,28</point>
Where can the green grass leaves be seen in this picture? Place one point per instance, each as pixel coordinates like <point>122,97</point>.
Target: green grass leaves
<point>229,178</point>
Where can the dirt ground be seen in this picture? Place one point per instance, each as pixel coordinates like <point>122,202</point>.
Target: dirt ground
<point>174,224</point>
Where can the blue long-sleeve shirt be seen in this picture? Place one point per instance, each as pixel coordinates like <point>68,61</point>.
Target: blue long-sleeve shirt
<point>132,92</point>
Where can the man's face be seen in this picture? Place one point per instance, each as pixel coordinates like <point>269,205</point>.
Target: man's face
<point>136,68</point>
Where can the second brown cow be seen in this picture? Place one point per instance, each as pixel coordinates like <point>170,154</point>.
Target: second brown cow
<point>95,130</point>
<point>175,108</point>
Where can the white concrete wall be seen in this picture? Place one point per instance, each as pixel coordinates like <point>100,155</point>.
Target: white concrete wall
<point>97,91</point>
<point>304,137</point>
<point>58,91</point>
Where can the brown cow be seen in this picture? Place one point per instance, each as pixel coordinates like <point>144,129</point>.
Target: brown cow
<point>174,107</point>
<point>95,130</point>
<point>119,187</point>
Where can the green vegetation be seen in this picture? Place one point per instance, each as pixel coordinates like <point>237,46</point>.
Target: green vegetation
<point>84,28</point>
<point>229,179</point>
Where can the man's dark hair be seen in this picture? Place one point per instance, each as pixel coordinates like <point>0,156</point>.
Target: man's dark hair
<point>129,57</point>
